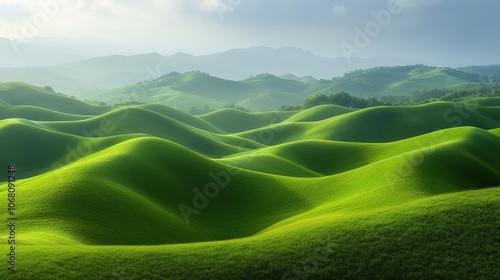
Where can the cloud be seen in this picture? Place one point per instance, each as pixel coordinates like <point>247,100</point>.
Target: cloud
<point>204,26</point>
<point>339,9</point>
<point>215,5</point>
<point>220,7</point>
<point>13,12</point>
<point>102,7</point>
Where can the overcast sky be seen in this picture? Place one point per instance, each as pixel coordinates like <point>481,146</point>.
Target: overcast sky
<point>464,31</point>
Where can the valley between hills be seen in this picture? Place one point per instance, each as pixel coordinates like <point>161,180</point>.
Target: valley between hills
<point>148,191</point>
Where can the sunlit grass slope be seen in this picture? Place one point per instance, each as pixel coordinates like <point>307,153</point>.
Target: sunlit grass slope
<point>37,114</point>
<point>136,120</point>
<point>233,120</point>
<point>325,193</point>
<point>331,157</point>
<point>318,113</point>
<point>384,124</point>
<point>181,116</point>
<point>155,176</point>
<point>446,236</point>
<point>38,149</point>
<point>150,177</point>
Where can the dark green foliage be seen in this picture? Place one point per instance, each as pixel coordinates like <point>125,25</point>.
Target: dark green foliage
<point>342,98</point>
<point>489,72</point>
<point>199,111</point>
<point>469,91</point>
<point>232,106</point>
<point>289,108</point>
<point>466,92</point>
<point>127,103</point>
<point>49,89</point>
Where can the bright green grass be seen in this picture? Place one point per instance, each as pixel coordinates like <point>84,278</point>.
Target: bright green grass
<point>446,236</point>
<point>155,175</point>
<point>374,193</point>
<point>318,113</point>
<point>52,149</point>
<point>233,120</point>
<point>269,163</point>
<point>136,120</point>
<point>496,131</point>
<point>382,124</point>
<point>330,157</point>
<point>37,114</point>
<point>181,117</point>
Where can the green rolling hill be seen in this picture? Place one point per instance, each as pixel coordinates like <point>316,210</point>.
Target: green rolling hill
<point>320,112</point>
<point>23,94</point>
<point>150,192</point>
<point>382,124</point>
<point>403,80</point>
<point>267,92</point>
<point>232,120</point>
<point>488,71</point>
<point>37,114</point>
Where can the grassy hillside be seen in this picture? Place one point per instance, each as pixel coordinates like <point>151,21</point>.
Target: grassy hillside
<point>488,72</point>
<point>268,92</point>
<point>150,192</point>
<point>182,117</point>
<point>40,150</point>
<point>233,120</point>
<point>135,120</point>
<point>274,199</point>
<point>320,112</point>
<point>383,124</point>
<point>395,81</point>
<point>23,94</point>
<point>211,88</point>
<point>36,114</point>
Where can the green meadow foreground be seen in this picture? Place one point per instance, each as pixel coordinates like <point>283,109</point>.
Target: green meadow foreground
<point>151,192</point>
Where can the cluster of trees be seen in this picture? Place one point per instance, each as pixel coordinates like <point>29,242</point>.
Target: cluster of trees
<point>127,103</point>
<point>199,111</point>
<point>289,108</point>
<point>237,107</point>
<point>51,90</point>
<point>342,98</point>
<point>381,71</point>
<point>491,89</point>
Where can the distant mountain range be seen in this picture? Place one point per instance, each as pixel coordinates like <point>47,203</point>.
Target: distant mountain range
<point>260,78</point>
<point>70,69</point>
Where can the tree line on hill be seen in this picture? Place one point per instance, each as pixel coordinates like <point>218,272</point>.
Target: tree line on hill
<point>345,99</point>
